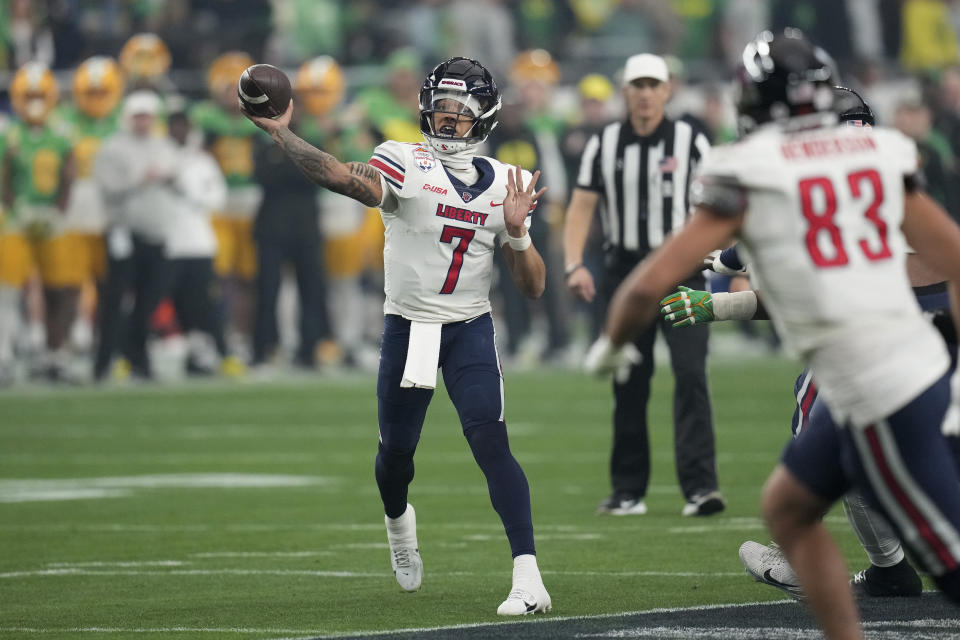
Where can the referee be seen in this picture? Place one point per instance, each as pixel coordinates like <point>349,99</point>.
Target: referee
<point>641,169</point>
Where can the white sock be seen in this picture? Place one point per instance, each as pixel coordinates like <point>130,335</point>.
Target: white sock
<point>525,569</point>
<point>399,530</point>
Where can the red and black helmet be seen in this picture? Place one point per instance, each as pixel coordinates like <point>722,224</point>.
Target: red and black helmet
<point>783,76</point>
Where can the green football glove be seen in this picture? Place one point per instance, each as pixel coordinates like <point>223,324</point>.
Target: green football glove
<point>687,307</point>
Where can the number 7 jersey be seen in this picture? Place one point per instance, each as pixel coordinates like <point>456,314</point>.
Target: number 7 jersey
<point>824,208</point>
<point>439,233</point>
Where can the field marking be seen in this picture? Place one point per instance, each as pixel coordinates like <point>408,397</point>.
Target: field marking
<point>107,563</point>
<point>80,569</point>
<point>46,489</point>
<point>482,537</point>
<point>66,571</point>
<point>266,554</point>
<point>545,620</point>
<point>11,496</point>
<point>737,524</point>
<point>124,527</point>
<point>155,630</point>
<point>743,633</point>
<point>313,634</point>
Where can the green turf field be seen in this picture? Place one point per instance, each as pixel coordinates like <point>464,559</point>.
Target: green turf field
<point>251,511</point>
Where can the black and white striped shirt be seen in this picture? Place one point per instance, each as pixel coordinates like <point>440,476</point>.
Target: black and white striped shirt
<point>643,181</point>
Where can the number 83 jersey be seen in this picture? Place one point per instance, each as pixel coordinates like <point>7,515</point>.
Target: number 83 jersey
<point>439,233</point>
<point>823,210</point>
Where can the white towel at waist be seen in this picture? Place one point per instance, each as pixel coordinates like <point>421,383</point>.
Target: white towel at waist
<point>423,355</point>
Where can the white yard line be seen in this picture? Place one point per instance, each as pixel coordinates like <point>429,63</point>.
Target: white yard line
<point>70,570</point>
<point>269,554</point>
<point>125,630</point>
<point>298,634</point>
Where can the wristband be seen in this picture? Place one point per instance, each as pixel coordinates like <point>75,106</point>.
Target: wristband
<point>571,268</point>
<point>741,305</point>
<point>519,244</point>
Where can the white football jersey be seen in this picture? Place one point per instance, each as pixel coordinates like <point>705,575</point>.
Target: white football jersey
<point>822,235</point>
<point>440,233</point>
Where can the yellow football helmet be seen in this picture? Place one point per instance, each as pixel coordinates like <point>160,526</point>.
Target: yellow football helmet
<point>534,65</point>
<point>225,71</point>
<point>144,56</point>
<point>320,85</point>
<point>34,92</point>
<point>98,86</point>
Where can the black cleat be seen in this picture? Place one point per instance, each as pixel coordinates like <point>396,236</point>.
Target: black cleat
<point>899,581</point>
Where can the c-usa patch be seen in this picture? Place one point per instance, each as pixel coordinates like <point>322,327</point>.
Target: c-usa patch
<point>424,159</point>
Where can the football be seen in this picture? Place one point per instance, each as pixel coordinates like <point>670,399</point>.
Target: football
<point>264,90</point>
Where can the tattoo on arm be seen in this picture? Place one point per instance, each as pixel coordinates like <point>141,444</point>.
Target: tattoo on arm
<point>355,180</point>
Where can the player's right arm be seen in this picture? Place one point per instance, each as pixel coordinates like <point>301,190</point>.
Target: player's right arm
<point>357,180</point>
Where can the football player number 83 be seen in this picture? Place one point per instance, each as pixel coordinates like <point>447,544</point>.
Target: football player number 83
<point>464,237</point>
<point>820,216</point>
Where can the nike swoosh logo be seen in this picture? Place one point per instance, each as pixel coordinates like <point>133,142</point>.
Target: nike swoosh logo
<point>531,606</point>
<point>495,204</point>
<point>769,578</point>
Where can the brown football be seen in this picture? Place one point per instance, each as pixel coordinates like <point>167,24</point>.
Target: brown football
<point>264,91</point>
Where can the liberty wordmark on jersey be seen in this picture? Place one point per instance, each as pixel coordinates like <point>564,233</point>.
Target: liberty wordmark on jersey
<point>440,233</point>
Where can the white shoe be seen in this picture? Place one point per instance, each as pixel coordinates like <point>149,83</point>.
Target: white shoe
<point>769,565</point>
<point>531,598</point>
<point>404,551</point>
<point>528,594</point>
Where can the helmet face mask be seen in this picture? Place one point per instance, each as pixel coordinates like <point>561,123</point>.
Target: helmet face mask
<point>144,58</point>
<point>34,93</point>
<point>782,76</point>
<point>852,109</point>
<point>459,102</point>
<point>98,86</point>
<point>224,74</point>
<point>320,85</point>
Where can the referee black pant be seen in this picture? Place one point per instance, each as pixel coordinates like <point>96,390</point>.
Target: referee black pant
<point>694,444</point>
<point>144,271</point>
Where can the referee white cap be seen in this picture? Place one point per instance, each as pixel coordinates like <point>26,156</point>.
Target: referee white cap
<point>141,102</point>
<point>645,65</point>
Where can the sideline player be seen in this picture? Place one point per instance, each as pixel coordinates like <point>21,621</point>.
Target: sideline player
<point>230,138</point>
<point>819,210</point>
<point>444,208</point>
<point>37,171</point>
<point>98,86</point>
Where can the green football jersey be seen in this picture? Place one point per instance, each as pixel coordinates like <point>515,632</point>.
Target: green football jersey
<point>37,156</point>
<point>87,134</point>
<point>230,136</point>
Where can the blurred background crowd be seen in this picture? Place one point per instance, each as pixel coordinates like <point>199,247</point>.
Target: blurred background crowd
<point>145,219</point>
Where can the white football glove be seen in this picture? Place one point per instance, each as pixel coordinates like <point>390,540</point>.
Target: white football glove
<point>604,359</point>
<point>718,266</point>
